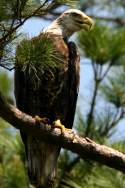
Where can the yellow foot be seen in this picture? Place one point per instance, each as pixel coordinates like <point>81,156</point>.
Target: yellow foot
<point>57,124</point>
<point>41,120</point>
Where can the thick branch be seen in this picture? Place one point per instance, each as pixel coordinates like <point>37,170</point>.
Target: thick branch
<point>84,147</point>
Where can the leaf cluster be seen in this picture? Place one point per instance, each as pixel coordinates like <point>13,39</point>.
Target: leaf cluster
<point>114,89</point>
<point>103,44</point>
<point>38,55</point>
<point>88,174</point>
<point>68,2</point>
<point>12,170</point>
<point>15,9</point>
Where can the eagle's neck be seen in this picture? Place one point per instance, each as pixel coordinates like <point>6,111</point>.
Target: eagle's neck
<point>59,28</point>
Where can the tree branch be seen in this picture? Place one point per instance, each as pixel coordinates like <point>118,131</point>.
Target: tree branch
<point>84,147</point>
<point>97,81</point>
<point>5,38</point>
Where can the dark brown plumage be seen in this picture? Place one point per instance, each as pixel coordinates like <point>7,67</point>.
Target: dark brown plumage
<point>55,97</point>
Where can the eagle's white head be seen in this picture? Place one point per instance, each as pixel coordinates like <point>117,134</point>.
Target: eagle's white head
<point>69,22</point>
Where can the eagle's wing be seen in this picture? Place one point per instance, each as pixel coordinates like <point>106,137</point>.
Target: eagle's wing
<point>41,158</point>
<point>74,69</point>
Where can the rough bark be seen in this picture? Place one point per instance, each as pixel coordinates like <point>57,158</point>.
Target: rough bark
<point>84,147</point>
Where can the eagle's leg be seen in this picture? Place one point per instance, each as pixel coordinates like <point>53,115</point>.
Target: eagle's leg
<point>42,120</point>
<point>57,124</point>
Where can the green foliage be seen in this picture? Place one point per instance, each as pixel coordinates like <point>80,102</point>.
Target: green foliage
<point>38,55</point>
<point>87,174</point>
<point>15,9</point>
<point>114,89</point>
<point>103,44</point>
<point>6,86</point>
<point>120,146</point>
<point>4,6</point>
<point>5,83</point>
<point>68,2</point>
<point>12,170</point>
<point>103,177</point>
<point>9,8</point>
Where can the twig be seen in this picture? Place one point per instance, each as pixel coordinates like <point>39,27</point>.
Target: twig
<point>5,39</point>
<point>95,92</point>
<point>5,67</point>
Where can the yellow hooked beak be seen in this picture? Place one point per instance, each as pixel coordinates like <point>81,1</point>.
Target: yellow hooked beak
<point>85,22</point>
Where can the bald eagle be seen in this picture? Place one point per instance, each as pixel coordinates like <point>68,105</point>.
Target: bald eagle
<point>54,97</point>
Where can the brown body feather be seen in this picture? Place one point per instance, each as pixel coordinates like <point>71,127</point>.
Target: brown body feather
<point>54,98</point>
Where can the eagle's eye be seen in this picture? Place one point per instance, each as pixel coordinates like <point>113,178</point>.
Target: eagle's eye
<point>74,14</point>
<point>80,22</point>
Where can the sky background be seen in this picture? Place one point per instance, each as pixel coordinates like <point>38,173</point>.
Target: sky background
<point>32,28</point>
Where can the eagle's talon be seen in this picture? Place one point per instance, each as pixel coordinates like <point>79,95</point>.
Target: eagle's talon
<point>57,124</point>
<point>41,120</point>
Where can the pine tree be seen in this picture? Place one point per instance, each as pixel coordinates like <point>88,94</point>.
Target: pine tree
<point>104,45</point>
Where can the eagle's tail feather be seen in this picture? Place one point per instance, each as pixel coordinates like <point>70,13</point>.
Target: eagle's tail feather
<point>42,161</point>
